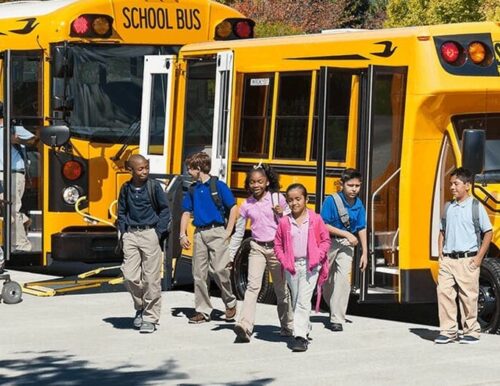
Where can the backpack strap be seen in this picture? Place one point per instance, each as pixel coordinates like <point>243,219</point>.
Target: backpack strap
<point>214,192</point>
<point>475,220</point>
<point>342,210</point>
<point>445,214</point>
<point>151,189</point>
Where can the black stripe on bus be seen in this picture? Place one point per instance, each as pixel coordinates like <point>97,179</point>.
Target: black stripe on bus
<point>331,57</point>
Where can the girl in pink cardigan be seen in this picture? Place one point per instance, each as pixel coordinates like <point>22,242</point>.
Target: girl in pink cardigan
<point>301,245</point>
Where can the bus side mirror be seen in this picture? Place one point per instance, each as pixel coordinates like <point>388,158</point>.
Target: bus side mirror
<point>473,149</point>
<point>55,136</point>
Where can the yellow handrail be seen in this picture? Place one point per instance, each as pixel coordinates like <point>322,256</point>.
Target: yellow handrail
<point>88,216</point>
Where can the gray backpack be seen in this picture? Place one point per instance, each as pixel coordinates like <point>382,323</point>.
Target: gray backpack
<point>475,219</point>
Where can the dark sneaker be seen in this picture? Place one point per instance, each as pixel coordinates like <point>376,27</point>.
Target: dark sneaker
<point>199,318</point>
<point>443,339</point>
<point>336,327</point>
<point>230,313</point>
<point>242,333</point>
<point>138,319</point>
<point>287,332</point>
<point>468,339</point>
<point>147,327</point>
<point>300,344</point>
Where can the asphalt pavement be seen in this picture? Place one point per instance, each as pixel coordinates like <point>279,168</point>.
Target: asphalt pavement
<point>88,339</point>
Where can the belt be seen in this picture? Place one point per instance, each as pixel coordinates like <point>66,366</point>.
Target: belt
<point>134,228</point>
<point>266,244</point>
<point>18,171</point>
<point>460,255</point>
<point>205,227</point>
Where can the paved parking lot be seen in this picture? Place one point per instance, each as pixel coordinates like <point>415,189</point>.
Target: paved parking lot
<point>88,340</point>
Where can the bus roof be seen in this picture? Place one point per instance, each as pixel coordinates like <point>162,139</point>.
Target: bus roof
<point>433,30</point>
<point>31,8</point>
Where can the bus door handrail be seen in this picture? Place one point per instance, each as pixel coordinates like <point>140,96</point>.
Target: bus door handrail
<point>372,221</point>
<point>87,216</point>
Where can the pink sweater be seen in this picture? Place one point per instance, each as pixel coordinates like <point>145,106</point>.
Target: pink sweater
<point>318,244</point>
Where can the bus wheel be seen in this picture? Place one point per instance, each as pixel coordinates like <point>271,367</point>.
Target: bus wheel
<point>239,277</point>
<point>11,292</point>
<point>489,296</point>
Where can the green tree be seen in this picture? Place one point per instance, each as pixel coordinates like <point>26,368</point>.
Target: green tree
<point>402,13</point>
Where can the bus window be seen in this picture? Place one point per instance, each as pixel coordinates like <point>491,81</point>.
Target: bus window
<point>338,106</point>
<point>27,87</point>
<point>256,115</point>
<point>199,106</point>
<point>156,130</point>
<point>490,123</point>
<point>292,116</point>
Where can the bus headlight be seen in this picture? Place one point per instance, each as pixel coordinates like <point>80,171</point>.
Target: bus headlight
<point>71,194</point>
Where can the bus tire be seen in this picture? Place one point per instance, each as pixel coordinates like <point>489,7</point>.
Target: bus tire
<point>11,292</point>
<point>488,313</point>
<point>239,276</point>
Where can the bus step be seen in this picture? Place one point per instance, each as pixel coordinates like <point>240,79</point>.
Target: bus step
<point>388,270</point>
<point>36,220</point>
<point>35,239</point>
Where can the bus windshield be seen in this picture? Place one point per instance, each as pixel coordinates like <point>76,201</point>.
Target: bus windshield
<point>99,93</point>
<point>490,123</point>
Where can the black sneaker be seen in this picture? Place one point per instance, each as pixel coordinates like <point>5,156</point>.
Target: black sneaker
<point>138,319</point>
<point>300,344</point>
<point>242,333</point>
<point>336,327</point>
<point>443,339</point>
<point>468,339</point>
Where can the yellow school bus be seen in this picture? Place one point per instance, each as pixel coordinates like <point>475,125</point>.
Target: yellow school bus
<point>74,69</point>
<point>404,106</point>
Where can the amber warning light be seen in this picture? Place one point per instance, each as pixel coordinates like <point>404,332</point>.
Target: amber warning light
<point>92,26</point>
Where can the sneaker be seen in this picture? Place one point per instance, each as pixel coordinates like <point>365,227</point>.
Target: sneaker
<point>468,339</point>
<point>138,319</point>
<point>230,313</point>
<point>336,327</point>
<point>287,332</point>
<point>443,339</point>
<point>147,327</point>
<point>242,333</point>
<point>199,318</point>
<point>300,344</point>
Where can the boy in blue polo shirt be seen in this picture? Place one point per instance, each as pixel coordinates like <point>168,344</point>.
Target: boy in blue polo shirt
<point>211,237</point>
<point>461,252</point>
<point>345,219</point>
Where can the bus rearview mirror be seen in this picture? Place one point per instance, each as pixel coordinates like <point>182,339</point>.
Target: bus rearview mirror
<point>55,136</point>
<point>473,148</point>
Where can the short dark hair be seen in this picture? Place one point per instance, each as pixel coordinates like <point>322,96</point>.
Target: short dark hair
<point>349,174</point>
<point>297,186</point>
<point>200,161</point>
<point>463,174</point>
<point>268,172</point>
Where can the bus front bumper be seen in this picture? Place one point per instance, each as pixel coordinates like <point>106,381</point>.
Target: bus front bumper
<point>85,247</point>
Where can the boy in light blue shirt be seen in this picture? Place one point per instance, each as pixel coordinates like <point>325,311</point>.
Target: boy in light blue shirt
<point>461,252</point>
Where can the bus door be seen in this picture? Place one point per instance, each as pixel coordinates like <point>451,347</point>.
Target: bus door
<point>21,77</point>
<point>377,121</point>
<point>156,111</point>
<point>222,111</point>
<point>382,101</point>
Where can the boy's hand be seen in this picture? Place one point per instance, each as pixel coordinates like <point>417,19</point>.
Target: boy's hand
<point>363,262</point>
<point>185,243</point>
<point>353,240</point>
<point>474,263</point>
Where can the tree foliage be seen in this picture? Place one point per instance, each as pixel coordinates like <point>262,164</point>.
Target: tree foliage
<point>402,13</point>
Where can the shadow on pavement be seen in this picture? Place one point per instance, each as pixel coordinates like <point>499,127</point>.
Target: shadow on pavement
<point>254,382</point>
<point>425,333</point>
<point>56,368</point>
<point>121,323</point>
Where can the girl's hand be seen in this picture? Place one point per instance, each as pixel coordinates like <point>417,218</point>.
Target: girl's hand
<point>353,240</point>
<point>278,210</point>
<point>363,262</point>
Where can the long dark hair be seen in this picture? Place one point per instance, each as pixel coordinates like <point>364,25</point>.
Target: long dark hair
<point>268,171</point>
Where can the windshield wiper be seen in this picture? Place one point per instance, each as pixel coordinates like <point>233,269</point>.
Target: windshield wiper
<point>135,126</point>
